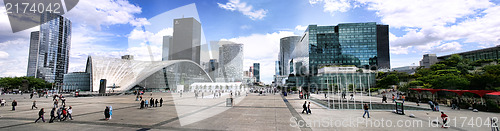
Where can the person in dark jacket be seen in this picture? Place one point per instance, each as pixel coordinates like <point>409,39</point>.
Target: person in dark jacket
<point>304,107</point>
<point>156,103</point>
<point>14,104</point>
<point>142,104</point>
<point>106,113</point>
<point>40,115</point>
<point>161,102</point>
<point>52,115</point>
<point>151,102</point>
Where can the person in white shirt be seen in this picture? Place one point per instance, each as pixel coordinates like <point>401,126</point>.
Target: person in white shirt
<point>70,111</point>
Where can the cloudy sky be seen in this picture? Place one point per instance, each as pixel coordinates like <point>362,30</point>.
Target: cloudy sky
<point>417,27</point>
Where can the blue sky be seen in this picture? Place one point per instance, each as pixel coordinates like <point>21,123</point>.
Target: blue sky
<point>105,27</point>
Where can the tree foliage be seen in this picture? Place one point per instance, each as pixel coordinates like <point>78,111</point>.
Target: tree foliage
<point>17,82</point>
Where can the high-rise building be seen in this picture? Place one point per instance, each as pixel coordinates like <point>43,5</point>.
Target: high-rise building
<point>362,45</point>
<point>186,40</point>
<point>428,60</point>
<point>53,48</point>
<point>256,71</point>
<point>167,40</point>
<point>287,46</point>
<point>231,62</point>
<point>33,53</point>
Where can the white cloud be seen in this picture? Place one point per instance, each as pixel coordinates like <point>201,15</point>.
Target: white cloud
<point>430,23</point>
<point>334,5</point>
<point>14,57</point>
<point>448,47</point>
<point>300,28</point>
<point>263,49</point>
<point>140,22</point>
<point>242,7</point>
<point>105,13</point>
<point>139,48</point>
<point>4,55</point>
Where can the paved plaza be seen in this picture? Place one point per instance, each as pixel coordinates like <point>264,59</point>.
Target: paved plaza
<point>250,112</point>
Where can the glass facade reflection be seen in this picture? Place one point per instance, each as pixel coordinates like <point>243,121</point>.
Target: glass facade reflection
<point>53,48</point>
<point>362,45</point>
<point>76,81</point>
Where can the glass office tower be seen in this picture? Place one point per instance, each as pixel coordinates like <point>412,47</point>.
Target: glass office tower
<point>362,45</point>
<point>53,48</point>
<point>33,53</point>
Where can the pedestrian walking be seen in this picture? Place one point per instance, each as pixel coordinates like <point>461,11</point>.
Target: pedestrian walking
<point>309,108</point>
<point>59,113</point>
<point>40,115</point>
<point>64,114</point>
<point>63,101</point>
<point>111,111</point>
<point>31,96</point>
<point>352,96</point>
<point>34,105</point>
<point>106,113</point>
<point>403,97</point>
<point>142,104</point>
<point>52,115</point>
<point>161,102</point>
<point>152,102</point>
<point>146,103</point>
<point>304,107</point>
<point>70,111</point>
<point>365,107</point>
<point>384,99</point>
<point>445,120</point>
<point>156,103</point>
<point>56,103</point>
<point>14,104</point>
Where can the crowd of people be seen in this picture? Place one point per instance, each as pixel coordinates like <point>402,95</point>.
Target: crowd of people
<point>151,103</point>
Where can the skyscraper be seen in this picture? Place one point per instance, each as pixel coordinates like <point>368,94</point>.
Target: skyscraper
<point>186,40</point>
<point>231,62</point>
<point>53,48</point>
<point>167,41</point>
<point>33,53</point>
<point>256,71</point>
<point>287,46</point>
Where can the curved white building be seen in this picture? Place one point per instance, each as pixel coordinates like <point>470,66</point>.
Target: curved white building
<point>123,75</point>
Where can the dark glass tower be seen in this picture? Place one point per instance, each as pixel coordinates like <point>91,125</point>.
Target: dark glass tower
<point>365,45</point>
<point>33,53</point>
<point>53,48</point>
<point>256,71</point>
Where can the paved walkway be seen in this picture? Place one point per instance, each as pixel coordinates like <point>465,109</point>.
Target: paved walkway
<point>252,112</point>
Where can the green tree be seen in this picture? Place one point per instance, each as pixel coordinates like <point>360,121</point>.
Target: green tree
<point>391,79</point>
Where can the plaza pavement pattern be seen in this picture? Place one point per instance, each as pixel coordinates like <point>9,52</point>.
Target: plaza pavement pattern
<point>252,112</point>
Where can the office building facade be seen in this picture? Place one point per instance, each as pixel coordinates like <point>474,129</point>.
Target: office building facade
<point>53,49</point>
<point>256,71</point>
<point>186,40</point>
<point>33,53</point>
<point>362,45</point>
<point>481,54</point>
<point>77,81</point>
<point>231,62</point>
<point>428,60</point>
<point>167,41</point>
